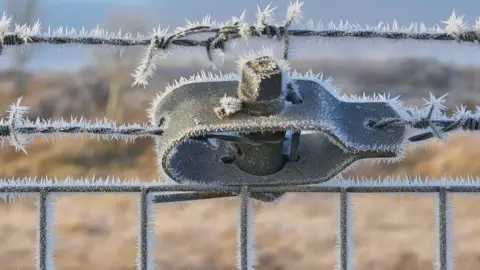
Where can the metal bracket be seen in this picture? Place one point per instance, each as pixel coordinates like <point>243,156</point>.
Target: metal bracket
<point>325,134</point>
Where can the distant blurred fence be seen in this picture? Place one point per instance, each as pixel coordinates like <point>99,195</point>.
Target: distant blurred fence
<point>145,259</point>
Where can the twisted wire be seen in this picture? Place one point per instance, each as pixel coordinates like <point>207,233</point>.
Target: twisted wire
<point>234,29</point>
<point>438,127</point>
<point>13,39</point>
<point>6,130</point>
<point>18,134</point>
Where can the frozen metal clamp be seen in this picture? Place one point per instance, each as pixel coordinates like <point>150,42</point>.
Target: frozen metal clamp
<point>265,126</point>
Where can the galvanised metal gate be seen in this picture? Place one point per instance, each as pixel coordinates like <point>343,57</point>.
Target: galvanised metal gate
<point>344,188</point>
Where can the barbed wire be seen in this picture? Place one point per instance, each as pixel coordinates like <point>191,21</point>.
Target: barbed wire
<point>18,130</point>
<point>464,120</point>
<point>160,42</point>
<point>270,31</point>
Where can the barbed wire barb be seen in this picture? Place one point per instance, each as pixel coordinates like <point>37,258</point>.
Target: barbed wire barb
<point>433,119</point>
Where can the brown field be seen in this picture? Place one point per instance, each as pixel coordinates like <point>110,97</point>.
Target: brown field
<point>99,231</point>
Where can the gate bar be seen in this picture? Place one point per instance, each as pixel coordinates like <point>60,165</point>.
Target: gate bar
<point>42,233</point>
<point>443,262</point>
<point>136,188</point>
<point>344,233</point>
<point>143,252</point>
<point>245,248</point>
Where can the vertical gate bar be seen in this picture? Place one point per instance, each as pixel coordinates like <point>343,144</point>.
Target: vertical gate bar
<point>443,230</point>
<point>144,262</point>
<point>43,260</point>
<point>245,237</point>
<point>343,237</point>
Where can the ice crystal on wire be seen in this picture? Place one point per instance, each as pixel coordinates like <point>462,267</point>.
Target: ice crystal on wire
<point>264,16</point>
<point>462,111</point>
<point>205,22</point>
<point>437,103</point>
<point>477,25</point>
<point>4,23</point>
<point>294,12</point>
<point>26,32</point>
<point>455,25</point>
<point>476,115</point>
<point>16,113</point>
<point>244,29</point>
<point>15,118</point>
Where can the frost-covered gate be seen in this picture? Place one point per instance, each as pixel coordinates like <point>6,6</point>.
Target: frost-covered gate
<point>344,187</point>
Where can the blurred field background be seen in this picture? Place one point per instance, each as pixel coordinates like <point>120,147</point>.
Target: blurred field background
<point>99,231</point>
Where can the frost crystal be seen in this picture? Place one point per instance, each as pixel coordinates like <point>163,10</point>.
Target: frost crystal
<point>455,25</point>
<point>294,12</point>
<point>16,113</point>
<point>228,106</point>
<point>244,27</point>
<point>438,104</point>
<point>264,16</point>
<point>4,23</point>
<point>477,25</point>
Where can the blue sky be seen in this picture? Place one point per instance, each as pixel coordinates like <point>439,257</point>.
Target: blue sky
<point>89,13</point>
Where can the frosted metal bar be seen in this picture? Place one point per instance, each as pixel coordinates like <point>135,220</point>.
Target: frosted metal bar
<point>343,232</point>
<point>442,233</point>
<point>143,262</point>
<point>244,237</point>
<point>42,232</point>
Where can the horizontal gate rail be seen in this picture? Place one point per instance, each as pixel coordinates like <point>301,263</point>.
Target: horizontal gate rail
<point>192,188</point>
